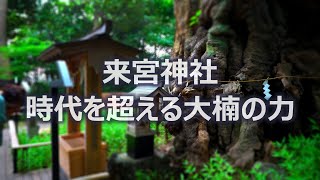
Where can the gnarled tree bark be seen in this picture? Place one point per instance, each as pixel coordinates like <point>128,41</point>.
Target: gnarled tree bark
<point>248,39</point>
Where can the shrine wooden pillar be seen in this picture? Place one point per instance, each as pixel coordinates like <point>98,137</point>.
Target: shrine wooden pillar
<point>73,66</point>
<point>95,160</point>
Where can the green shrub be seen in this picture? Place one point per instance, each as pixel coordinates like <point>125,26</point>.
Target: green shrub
<point>40,88</point>
<point>219,168</point>
<point>37,157</point>
<point>33,158</point>
<point>300,156</point>
<point>154,175</point>
<point>160,139</point>
<point>114,134</point>
<point>216,168</point>
<point>299,159</point>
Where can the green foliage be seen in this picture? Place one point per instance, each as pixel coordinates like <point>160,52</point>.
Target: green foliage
<point>34,158</point>
<point>159,23</point>
<point>220,168</point>
<point>135,23</point>
<point>38,157</point>
<point>152,175</point>
<point>22,52</point>
<point>59,21</point>
<point>20,13</point>
<point>145,175</point>
<point>160,139</point>
<point>114,134</point>
<point>34,26</point>
<point>297,164</point>
<point>300,156</point>
<point>216,168</point>
<point>194,20</point>
<point>52,20</point>
<point>40,88</point>
<point>315,127</point>
<point>258,174</point>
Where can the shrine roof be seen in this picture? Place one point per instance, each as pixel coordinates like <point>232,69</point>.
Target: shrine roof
<point>97,41</point>
<point>149,91</point>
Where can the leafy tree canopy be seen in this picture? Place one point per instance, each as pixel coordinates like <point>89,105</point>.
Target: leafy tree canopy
<point>35,25</point>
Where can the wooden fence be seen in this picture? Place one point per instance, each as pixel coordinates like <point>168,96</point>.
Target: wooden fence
<point>15,146</point>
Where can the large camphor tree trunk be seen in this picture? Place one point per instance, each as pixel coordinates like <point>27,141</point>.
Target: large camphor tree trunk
<point>3,22</point>
<point>247,39</point>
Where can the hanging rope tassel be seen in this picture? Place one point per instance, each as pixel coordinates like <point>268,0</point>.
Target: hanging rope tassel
<point>266,90</point>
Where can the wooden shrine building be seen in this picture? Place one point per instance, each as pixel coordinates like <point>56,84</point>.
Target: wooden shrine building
<point>84,153</point>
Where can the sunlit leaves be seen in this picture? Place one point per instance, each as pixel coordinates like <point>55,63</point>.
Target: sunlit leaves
<point>195,18</point>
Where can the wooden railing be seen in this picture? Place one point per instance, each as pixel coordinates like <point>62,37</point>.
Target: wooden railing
<point>24,147</point>
<point>15,146</point>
